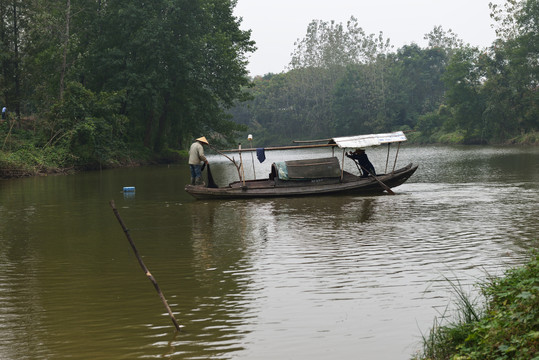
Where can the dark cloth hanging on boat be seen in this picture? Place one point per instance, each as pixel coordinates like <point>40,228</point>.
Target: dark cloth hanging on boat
<point>261,154</point>
<point>211,182</point>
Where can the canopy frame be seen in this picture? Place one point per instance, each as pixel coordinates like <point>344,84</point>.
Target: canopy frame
<point>345,142</point>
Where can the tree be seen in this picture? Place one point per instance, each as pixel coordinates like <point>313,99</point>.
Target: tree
<point>447,40</point>
<point>329,52</point>
<point>512,76</point>
<point>463,79</point>
<point>328,44</point>
<point>415,81</point>
<point>87,126</point>
<point>13,17</point>
<point>181,62</point>
<point>353,105</point>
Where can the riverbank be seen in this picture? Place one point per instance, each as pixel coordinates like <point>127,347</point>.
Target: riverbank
<point>505,327</point>
<point>460,138</point>
<point>22,154</point>
<point>11,168</point>
<point>27,151</point>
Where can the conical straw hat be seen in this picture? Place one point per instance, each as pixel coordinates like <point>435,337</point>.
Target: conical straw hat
<point>203,139</point>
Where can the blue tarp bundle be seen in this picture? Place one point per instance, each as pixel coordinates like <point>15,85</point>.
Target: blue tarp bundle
<point>282,170</point>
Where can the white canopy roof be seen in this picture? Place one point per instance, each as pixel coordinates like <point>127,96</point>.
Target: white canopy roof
<point>362,141</point>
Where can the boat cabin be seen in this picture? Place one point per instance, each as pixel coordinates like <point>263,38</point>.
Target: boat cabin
<point>300,172</point>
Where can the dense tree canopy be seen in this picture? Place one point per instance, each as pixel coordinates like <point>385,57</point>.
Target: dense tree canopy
<point>93,79</point>
<point>172,66</point>
<point>343,82</point>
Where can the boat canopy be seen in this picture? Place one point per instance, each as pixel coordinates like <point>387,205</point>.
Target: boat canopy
<point>357,141</point>
<point>362,141</point>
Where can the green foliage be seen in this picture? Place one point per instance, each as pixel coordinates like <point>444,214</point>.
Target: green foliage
<point>323,97</point>
<point>463,80</point>
<point>328,45</point>
<point>181,64</point>
<point>452,138</point>
<point>27,159</point>
<point>512,78</point>
<point>431,122</point>
<point>531,138</point>
<point>342,82</point>
<point>87,125</point>
<point>510,330</point>
<point>415,81</point>
<point>507,329</point>
<point>156,74</point>
<point>171,67</point>
<point>438,38</point>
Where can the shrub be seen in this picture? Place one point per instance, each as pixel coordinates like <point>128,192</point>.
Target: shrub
<point>507,329</point>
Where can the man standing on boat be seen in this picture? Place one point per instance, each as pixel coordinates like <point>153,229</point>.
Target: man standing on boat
<point>196,158</point>
<point>363,161</point>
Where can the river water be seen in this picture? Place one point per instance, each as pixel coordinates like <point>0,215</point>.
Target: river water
<point>344,277</point>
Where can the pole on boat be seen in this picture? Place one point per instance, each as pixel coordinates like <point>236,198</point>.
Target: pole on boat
<point>387,158</point>
<point>250,138</point>
<point>310,141</point>
<point>144,268</point>
<point>342,167</point>
<point>241,166</point>
<point>396,156</point>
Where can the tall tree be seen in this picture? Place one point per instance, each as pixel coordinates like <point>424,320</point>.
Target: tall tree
<point>63,69</point>
<point>330,44</point>
<point>439,38</point>
<point>464,81</point>
<point>512,70</point>
<point>320,61</point>
<point>182,62</point>
<point>14,17</point>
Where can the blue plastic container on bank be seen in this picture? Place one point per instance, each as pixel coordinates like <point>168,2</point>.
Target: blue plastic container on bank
<point>129,189</point>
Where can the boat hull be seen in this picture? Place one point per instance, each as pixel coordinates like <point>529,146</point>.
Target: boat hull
<point>350,185</point>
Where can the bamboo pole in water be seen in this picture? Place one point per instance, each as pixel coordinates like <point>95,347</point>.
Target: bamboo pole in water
<point>387,188</point>
<point>144,268</point>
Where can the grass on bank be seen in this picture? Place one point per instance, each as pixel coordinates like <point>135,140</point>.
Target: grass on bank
<point>459,137</point>
<point>505,327</point>
<point>23,152</point>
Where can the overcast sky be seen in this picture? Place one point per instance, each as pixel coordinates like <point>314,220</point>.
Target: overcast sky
<point>277,24</point>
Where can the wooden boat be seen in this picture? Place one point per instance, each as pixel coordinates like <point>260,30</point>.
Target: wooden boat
<point>321,176</point>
